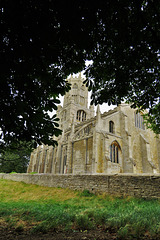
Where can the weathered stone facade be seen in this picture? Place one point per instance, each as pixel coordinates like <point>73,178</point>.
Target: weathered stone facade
<point>113,142</point>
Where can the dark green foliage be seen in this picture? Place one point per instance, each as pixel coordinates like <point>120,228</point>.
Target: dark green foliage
<point>36,57</point>
<point>86,193</point>
<point>153,120</point>
<point>15,157</point>
<point>126,56</point>
<point>42,42</point>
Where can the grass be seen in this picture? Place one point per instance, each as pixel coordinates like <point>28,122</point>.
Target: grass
<point>39,209</point>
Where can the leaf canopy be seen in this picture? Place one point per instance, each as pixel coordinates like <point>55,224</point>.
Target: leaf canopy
<point>42,42</point>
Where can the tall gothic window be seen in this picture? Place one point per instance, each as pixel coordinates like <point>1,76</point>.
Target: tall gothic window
<point>81,115</point>
<point>111,126</point>
<point>114,152</point>
<point>138,119</point>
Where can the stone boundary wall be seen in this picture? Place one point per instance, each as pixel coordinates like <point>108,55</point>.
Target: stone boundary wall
<point>143,186</point>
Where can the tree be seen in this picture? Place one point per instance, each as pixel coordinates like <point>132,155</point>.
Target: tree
<point>42,42</point>
<point>37,52</point>
<point>15,157</point>
<point>126,62</point>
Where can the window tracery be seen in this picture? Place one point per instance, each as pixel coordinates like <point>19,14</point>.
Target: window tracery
<point>81,115</point>
<point>114,152</point>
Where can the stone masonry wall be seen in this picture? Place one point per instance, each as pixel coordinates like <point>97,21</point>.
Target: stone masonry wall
<point>144,185</point>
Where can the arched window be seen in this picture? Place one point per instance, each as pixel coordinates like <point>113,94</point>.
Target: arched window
<point>81,115</point>
<point>114,152</point>
<point>111,126</point>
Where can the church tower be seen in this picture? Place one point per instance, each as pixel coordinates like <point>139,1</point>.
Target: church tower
<point>75,104</point>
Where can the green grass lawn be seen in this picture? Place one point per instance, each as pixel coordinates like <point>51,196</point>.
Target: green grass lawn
<point>36,208</point>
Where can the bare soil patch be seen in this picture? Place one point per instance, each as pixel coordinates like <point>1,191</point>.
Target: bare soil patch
<point>93,235</point>
<point>6,234</point>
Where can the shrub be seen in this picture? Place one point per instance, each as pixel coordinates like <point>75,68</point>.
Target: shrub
<point>86,193</point>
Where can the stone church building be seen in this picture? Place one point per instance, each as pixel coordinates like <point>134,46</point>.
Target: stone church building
<point>116,141</point>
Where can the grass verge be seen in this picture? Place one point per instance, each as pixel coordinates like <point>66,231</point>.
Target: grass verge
<point>40,209</point>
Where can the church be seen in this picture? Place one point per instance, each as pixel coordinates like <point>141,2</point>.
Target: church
<point>116,141</point>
